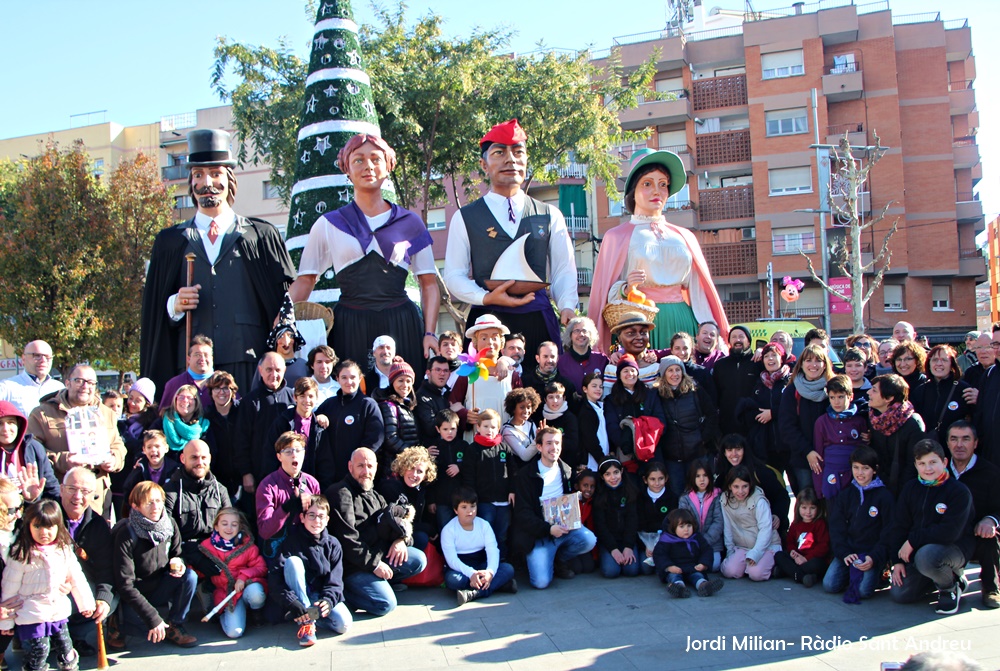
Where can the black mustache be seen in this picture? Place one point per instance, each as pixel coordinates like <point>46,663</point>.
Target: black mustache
<point>207,191</point>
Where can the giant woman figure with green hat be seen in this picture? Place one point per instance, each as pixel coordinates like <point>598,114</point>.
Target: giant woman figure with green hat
<point>660,260</point>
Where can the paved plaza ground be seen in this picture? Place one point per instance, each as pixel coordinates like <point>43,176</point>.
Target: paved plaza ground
<point>590,622</point>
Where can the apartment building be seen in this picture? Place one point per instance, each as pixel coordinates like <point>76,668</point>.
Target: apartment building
<point>741,117</point>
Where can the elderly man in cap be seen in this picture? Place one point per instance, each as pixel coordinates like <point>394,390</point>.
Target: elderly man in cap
<point>467,398</point>
<point>483,230</point>
<point>968,357</point>
<point>241,272</point>
<point>377,377</point>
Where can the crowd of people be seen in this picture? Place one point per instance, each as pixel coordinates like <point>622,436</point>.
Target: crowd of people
<point>248,477</point>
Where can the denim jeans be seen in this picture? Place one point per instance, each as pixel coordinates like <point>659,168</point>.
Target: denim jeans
<point>366,591</point>
<point>542,558</point>
<point>839,574</point>
<point>692,578</point>
<point>234,622</point>
<point>932,566</point>
<point>456,580</point>
<point>498,517</point>
<point>339,620</point>
<point>178,592</point>
<point>612,569</point>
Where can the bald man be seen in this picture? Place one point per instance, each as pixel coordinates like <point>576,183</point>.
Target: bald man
<point>258,410</point>
<point>193,499</point>
<point>27,387</point>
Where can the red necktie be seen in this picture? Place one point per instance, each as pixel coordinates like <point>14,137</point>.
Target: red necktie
<point>213,232</point>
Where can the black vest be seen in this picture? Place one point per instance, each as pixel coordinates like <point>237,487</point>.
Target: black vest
<point>488,240</point>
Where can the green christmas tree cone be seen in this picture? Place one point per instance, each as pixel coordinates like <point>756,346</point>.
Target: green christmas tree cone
<point>338,105</point>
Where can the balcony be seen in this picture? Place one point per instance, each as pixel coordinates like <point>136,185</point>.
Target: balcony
<point>637,48</point>
<point>855,131</point>
<point>571,170</point>
<point>971,263</point>
<point>742,311</point>
<point>728,91</point>
<point>682,150</point>
<point>729,202</point>
<point>793,311</point>
<point>729,146</point>
<point>178,171</point>
<point>966,151</point>
<point>843,83</point>
<point>579,226</point>
<point>838,25</point>
<point>729,259</point>
<point>968,208</point>
<point>656,113</point>
<point>961,100</point>
<point>864,202</point>
<point>584,276</point>
<point>684,215</point>
<point>958,43</point>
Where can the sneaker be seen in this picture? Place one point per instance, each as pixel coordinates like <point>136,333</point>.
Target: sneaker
<point>510,587</point>
<point>177,634</point>
<point>678,590</point>
<point>563,571</point>
<point>809,580</point>
<point>85,649</point>
<point>399,587</point>
<point>307,634</point>
<point>464,596</point>
<point>72,663</point>
<point>709,587</point>
<point>948,599</point>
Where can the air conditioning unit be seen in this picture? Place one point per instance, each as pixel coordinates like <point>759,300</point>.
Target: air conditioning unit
<point>749,233</point>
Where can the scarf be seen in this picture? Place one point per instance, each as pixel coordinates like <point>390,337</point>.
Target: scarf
<point>555,414</point>
<point>579,358</point>
<point>936,482</point>
<point>691,542</point>
<point>814,390</point>
<point>853,593</point>
<point>876,482</point>
<point>487,442</point>
<point>546,378</point>
<point>157,532</point>
<point>770,378</point>
<point>198,377</point>
<point>220,543</point>
<point>179,433</point>
<point>894,417</point>
<point>851,411</point>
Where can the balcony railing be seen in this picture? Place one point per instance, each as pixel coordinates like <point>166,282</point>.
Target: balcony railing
<point>966,141</point>
<point>742,311</point>
<point>732,258</point>
<point>178,171</point>
<point>728,91</point>
<point>571,170</point>
<point>584,276</point>
<point>730,202</point>
<point>800,312</point>
<point>966,196</point>
<point>841,128</point>
<point>729,146</point>
<point>578,225</point>
<point>970,253</point>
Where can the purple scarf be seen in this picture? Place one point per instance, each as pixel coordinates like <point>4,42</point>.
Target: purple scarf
<point>403,226</point>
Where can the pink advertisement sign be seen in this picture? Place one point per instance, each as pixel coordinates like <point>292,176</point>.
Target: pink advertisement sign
<point>837,305</point>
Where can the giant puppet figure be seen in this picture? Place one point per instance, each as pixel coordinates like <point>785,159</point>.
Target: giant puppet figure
<point>506,248</point>
<point>648,259</point>
<point>240,273</point>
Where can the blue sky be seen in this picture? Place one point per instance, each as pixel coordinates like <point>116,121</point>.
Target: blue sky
<point>140,60</point>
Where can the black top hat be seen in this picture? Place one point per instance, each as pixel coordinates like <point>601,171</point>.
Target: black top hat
<point>209,147</point>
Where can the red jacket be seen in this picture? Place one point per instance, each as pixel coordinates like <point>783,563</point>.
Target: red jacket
<point>811,540</point>
<point>244,563</point>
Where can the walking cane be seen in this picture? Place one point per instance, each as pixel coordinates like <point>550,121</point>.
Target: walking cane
<point>102,653</point>
<point>190,281</point>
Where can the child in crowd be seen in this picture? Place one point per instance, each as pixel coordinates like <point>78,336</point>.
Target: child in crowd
<point>751,539</point>
<point>653,506</point>
<point>489,472</point>
<point>183,420</point>
<point>519,432</point>
<point>302,419</point>
<point>628,397</point>
<point>585,482</point>
<point>593,430</point>
<point>11,505</point>
<point>556,414</point>
<point>242,568</point>
<point>41,561</point>
<point>858,516</point>
<point>470,549</point>
<point>285,493</point>
<point>452,450</point>
<point>856,367</point>
<point>156,464</point>
<point>683,555</point>
<point>836,434</point>
<point>616,521</point>
<point>306,579</point>
<point>115,401</point>
<point>704,500</point>
<point>450,347</point>
<point>807,545</point>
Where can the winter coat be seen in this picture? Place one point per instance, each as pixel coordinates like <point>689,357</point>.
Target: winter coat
<point>139,566</point>
<point>193,504</point>
<point>616,520</point>
<point>684,553</point>
<point>572,451</point>
<point>856,524</point>
<point>454,452</point>
<point>735,376</point>
<point>940,403</point>
<point>354,517</point>
<point>224,434</point>
<point>38,581</point>
<point>797,417</point>
<point>400,430</point>
<point>430,401</point>
<point>651,513</point>
<point>355,421</point>
<point>691,428</point>
<point>490,471</point>
<point>170,470</point>
<point>29,451</point>
<point>614,414</point>
<point>747,525</point>
<point>285,421</point>
<point>278,500</point>
<point>323,558</point>
<point>93,538</point>
<point>254,455</point>
<point>764,439</point>
<point>241,563</point>
<point>708,513</point>
<point>895,452</point>
<point>809,539</point>
<point>528,525</point>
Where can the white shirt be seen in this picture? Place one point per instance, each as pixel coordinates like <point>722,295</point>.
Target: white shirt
<point>326,389</point>
<point>24,392</point>
<point>330,247</point>
<point>226,220</point>
<point>457,541</point>
<point>457,272</point>
<point>602,434</point>
<point>551,481</point>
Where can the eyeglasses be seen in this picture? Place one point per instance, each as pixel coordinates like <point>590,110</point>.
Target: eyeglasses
<point>83,382</point>
<point>908,359</point>
<point>292,451</point>
<point>578,331</point>
<point>314,517</point>
<point>73,490</point>
<point>14,512</point>
<point>189,399</point>
<point>864,343</point>
<point>222,390</point>
<point>995,345</point>
<point>40,357</point>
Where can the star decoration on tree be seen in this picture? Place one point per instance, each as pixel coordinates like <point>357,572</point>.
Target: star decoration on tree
<point>311,104</point>
<point>353,58</point>
<point>345,196</point>
<point>306,156</point>
<point>320,42</point>
<point>369,107</point>
<point>298,217</point>
<point>330,90</point>
<point>327,8</point>
<point>322,144</point>
<point>353,88</point>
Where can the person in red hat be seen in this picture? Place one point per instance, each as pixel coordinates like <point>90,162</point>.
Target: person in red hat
<point>483,230</point>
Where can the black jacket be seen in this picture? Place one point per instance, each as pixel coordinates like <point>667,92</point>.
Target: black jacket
<point>400,430</point>
<point>139,566</point>
<point>685,554</point>
<point>692,426</point>
<point>651,513</point>
<point>616,520</point>
<point>354,515</point>
<point>987,415</point>
<point>430,401</point>
<point>355,421</point>
<point>940,403</point>
<point>140,473</point>
<point>394,490</point>
<point>735,376</point>
<point>93,536</point>
<point>589,423</point>
<point>764,439</point>
<point>895,452</point>
<point>193,504</point>
<point>856,525</point>
<point>323,560</point>
<point>490,471</point>
<point>797,417</point>
<point>258,411</point>
<point>983,481</point>
<point>223,430</point>
<point>528,525</point>
<point>454,452</point>
<point>285,422</point>
<point>573,452</point>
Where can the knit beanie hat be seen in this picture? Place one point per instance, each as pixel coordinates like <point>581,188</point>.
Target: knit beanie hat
<point>670,360</point>
<point>739,327</point>
<point>774,347</point>
<point>626,361</point>
<point>146,387</point>
<point>400,367</point>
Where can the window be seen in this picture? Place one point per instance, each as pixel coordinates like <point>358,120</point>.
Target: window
<point>843,63</point>
<point>893,296</point>
<point>672,140</point>
<point>270,191</point>
<point>177,159</point>
<point>793,240</point>
<point>941,297</point>
<point>180,202</point>
<point>790,180</point>
<point>673,85</point>
<point>436,219</point>
<point>98,168</point>
<point>614,207</point>
<point>679,199</point>
<point>782,64</point>
<point>786,122</point>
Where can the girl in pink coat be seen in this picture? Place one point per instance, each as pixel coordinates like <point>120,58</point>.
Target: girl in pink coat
<point>242,568</point>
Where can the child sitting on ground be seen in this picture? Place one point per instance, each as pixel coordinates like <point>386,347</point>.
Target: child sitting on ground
<point>836,434</point>
<point>683,555</point>
<point>585,482</point>
<point>807,545</point>
<point>616,521</point>
<point>750,537</point>
<point>242,569</point>
<point>470,549</point>
<point>704,500</point>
